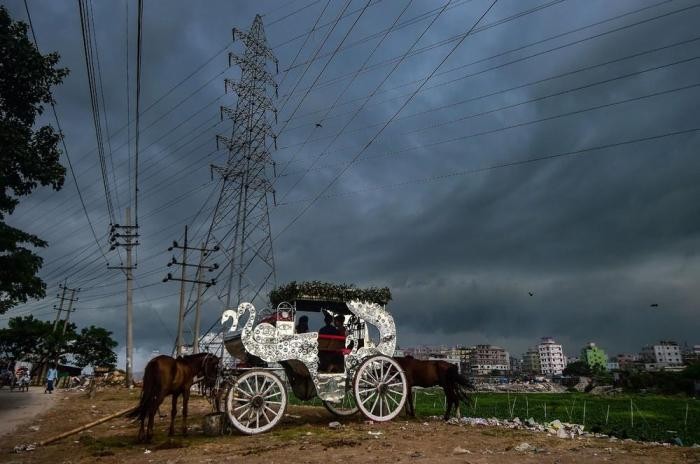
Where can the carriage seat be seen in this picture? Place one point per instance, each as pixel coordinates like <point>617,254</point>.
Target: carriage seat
<point>332,343</point>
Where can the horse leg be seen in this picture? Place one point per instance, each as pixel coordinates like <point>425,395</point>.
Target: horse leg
<point>173,413</point>
<point>449,397</point>
<point>149,433</point>
<point>185,400</point>
<point>142,433</point>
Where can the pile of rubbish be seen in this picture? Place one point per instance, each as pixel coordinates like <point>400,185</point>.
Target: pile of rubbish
<point>113,378</point>
<point>513,387</point>
<point>555,428</point>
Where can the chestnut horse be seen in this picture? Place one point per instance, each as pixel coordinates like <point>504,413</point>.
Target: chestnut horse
<point>420,373</point>
<point>165,376</point>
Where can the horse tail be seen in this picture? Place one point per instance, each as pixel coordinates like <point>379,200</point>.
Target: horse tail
<point>462,386</point>
<point>150,392</point>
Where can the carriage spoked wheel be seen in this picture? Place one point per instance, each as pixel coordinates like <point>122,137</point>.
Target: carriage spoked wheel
<point>256,402</point>
<point>380,388</point>
<point>346,407</point>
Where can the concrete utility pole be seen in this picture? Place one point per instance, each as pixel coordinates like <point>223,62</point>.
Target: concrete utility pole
<point>129,305</point>
<point>126,236</point>
<point>60,305</point>
<point>181,314</point>
<point>183,279</point>
<point>70,308</point>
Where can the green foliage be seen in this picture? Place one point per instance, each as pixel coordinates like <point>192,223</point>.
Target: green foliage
<point>34,340</point>
<point>579,368</point>
<point>327,291</point>
<point>667,383</point>
<point>94,346</point>
<point>29,155</point>
<point>655,417</point>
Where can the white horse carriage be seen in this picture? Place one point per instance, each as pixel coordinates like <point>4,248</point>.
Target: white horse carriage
<point>348,371</point>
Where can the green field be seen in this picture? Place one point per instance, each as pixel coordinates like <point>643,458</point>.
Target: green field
<point>642,417</point>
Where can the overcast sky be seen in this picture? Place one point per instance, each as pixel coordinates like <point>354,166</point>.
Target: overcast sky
<point>603,99</point>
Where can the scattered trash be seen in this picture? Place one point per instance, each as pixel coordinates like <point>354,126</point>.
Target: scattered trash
<point>374,434</point>
<point>25,447</point>
<point>147,451</point>
<point>460,450</point>
<point>335,425</point>
<point>34,428</point>
<point>524,446</point>
<point>416,454</point>
<point>293,416</point>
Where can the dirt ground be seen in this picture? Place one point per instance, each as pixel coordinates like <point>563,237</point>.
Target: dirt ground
<point>303,437</point>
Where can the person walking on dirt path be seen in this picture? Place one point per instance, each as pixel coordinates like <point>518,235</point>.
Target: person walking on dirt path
<point>51,377</point>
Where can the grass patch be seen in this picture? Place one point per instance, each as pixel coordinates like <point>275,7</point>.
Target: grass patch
<point>643,417</point>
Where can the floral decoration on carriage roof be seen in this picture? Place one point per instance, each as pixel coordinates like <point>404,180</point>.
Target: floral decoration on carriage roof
<point>316,290</point>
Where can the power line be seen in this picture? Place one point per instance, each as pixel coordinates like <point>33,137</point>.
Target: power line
<point>521,162</point>
<point>530,100</point>
<point>396,113</point>
<point>86,29</point>
<point>519,48</point>
<point>63,143</point>
<point>534,121</point>
<point>139,45</point>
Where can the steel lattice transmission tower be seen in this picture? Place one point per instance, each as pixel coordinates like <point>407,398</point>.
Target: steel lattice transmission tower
<point>241,222</point>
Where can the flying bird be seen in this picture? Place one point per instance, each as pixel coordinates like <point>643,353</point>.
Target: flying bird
<point>318,125</point>
<point>530,293</point>
<point>654,305</point>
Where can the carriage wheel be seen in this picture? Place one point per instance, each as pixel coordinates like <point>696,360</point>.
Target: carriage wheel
<point>346,407</point>
<point>380,388</point>
<point>256,402</point>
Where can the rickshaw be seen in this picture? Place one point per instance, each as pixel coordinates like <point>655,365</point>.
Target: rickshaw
<point>348,373</point>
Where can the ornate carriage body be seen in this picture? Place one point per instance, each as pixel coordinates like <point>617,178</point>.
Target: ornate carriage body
<point>348,372</point>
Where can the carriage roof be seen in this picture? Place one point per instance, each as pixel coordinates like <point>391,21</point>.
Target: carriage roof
<point>316,296</point>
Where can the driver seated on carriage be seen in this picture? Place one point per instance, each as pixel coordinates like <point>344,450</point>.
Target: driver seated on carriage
<point>331,344</point>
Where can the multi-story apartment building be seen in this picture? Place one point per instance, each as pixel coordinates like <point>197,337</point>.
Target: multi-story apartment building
<point>594,357</point>
<point>488,358</point>
<point>531,361</point>
<point>665,353</point>
<point>552,359</point>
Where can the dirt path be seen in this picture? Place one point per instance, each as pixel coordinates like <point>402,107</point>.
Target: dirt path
<point>21,408</point>
<point>304,436</point>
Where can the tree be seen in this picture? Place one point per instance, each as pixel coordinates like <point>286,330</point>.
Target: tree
<point>29,155</point>
<point>94,346</point>
<point>578,368</point>
<point>34,340</point>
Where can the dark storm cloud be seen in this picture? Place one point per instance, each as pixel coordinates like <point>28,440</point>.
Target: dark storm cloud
<point>596,237</point>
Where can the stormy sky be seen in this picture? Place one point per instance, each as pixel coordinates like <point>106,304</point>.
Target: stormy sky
<point>553,152</point>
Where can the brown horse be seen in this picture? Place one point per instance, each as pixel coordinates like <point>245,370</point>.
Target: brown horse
<point>420,373</point>
<point>165,376</point>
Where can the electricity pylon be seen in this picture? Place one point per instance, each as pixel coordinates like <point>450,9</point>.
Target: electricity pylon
<point>241,222</point>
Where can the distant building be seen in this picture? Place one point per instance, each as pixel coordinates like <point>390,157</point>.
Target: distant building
<point>691,355</point>
<point>613,366</point>
<point>531,361</point>
<point>516,365</point>
<point>594,357</point>
<point>665,353</point>
<point>488,358</point>
<point>552,359</point>
<point>627,361</point>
